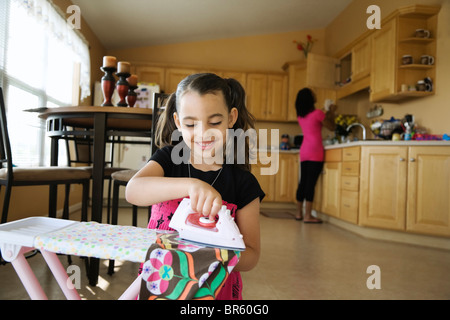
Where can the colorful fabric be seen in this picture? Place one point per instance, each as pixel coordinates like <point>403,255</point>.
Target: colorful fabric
<point>176,269</point>
<point>162,214</point>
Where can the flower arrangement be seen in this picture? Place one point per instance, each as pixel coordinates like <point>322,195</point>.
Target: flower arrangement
<point>305,47</point>
<point>342,122</point>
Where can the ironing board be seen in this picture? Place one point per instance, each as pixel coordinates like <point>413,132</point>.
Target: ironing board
<point>172,268</point>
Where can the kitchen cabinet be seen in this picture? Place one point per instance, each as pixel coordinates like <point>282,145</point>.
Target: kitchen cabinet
<point>357,66</point>
<point>296,81</point>
<point>265,181</point>
<point>331,182</point>
<point>374,59</point>
<point>396,39</point>
<point>239,76</point>
<point>297,75</point>
<point>281,185</point>
<point>151,74</point>
<point>339,194</point>
<point>383,62</point>
<point>428,207</point>
<point>287,178</point>
<point>175,75</point>
<point>350,184</point>
<point>361,59</point>
<point>267,96</point>
<point>331,192</point>
<point>406,188</point>
<point>383,187</point>
<point>321,71</point>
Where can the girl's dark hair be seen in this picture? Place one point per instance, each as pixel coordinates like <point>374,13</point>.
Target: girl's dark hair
<point>305,101</point>
<point>204,83</point>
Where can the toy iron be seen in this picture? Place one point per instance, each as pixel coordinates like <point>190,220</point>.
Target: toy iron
<point>194,227</point>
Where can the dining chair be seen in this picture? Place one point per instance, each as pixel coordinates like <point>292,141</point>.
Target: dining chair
<point>121,178</point>
<point>80,151</point>
<point>11,176</point>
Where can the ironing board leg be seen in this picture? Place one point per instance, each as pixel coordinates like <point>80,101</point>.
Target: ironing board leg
<point>133,290</point>
<point>29,280</point>
<point>60,275</point>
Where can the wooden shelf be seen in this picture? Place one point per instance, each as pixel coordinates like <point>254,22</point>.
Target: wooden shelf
<point>417,40</point>
<point>417,66</point>
<point>415,93</point>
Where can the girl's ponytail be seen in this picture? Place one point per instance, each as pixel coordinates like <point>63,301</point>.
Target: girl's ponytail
<point>166,124</point>
<point>244,124</point>
<point>245,119</point>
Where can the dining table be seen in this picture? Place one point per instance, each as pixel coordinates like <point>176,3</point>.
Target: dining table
<point>102,124</point>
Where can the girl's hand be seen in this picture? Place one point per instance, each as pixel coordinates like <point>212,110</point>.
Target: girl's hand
<point>204,198</point>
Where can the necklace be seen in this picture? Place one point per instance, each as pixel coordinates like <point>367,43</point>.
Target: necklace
<point>189,170</point>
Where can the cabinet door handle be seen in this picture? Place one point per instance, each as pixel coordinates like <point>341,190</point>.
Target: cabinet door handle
<point>412,159</point>
<point>402,159</point>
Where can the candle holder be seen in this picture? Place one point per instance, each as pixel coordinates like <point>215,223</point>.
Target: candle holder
<point>108,85</point>
<point>132,96</point>
<point>122,88</point>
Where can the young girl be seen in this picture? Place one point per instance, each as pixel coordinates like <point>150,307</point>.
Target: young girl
<point>202,109</point>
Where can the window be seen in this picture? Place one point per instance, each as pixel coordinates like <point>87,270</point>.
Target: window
<point>39,52</point>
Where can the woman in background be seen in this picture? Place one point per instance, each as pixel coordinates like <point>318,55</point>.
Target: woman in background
<point>311,121</point>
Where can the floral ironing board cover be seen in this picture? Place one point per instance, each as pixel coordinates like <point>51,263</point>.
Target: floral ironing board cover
<point>172,268</point>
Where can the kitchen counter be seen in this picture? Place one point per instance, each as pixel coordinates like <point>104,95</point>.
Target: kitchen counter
<point>387,143</point>
<point>291,151</point>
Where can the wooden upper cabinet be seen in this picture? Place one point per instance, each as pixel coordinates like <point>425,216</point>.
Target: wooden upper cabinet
<point>361,59</point>
<point>152,75</point>
<point>239,76</point>
<point>394,40</point>
<point>277,97</point>
<point>383,62</point>
<point>297,76</point>
<point>174,77</point>
<point>321,71</point>
<point>257,94</point>
<point>267,96</point>
<point>296,81</point>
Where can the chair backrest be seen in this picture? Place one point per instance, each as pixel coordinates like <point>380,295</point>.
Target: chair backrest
<point>5,146</point>
<point>80,149</point>
<point>159,101</point>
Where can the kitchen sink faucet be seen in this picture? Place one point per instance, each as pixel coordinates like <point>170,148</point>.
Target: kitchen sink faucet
<point>358,124</point>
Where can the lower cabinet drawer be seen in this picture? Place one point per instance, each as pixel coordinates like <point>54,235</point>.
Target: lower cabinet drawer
<point>350,168</point>
<point>350,183</point>
<point>349,205</point>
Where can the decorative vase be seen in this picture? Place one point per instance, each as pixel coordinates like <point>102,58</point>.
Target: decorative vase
<point>132,96</point>
<point>108,85</point>
<point>122,88</point>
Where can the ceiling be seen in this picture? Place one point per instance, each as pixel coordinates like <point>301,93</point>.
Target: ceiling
<point>137,23</point>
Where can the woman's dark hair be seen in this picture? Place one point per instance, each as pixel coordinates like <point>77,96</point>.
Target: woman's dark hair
<point>204,83</point>
<point>305,101</point>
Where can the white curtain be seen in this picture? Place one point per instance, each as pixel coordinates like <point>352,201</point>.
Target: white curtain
<point>52,19</point>
<point>39,53</point>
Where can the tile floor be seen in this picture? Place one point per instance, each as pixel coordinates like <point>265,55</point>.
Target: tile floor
<point>298,262</point>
